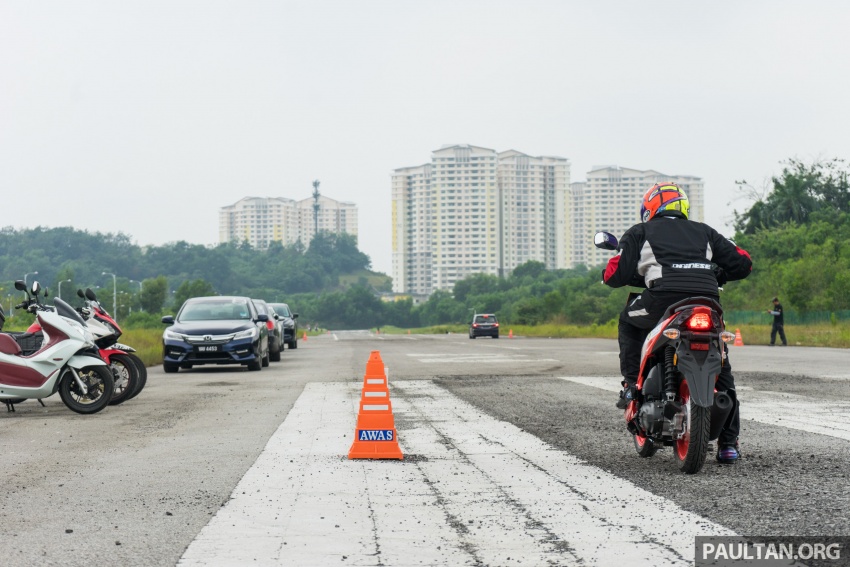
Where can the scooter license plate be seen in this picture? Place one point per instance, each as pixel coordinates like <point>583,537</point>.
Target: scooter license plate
<point>207,348</point>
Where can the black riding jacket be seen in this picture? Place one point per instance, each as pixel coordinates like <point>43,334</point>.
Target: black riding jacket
<point>671,253</point>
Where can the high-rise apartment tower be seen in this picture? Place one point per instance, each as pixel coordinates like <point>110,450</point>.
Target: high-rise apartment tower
<point>262,220</point>
<point>474,210</point>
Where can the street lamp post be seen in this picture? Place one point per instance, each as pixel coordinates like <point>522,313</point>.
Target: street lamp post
<point>140,293</point>
<point>28,274</point>
<point>60,287</point>
<point>114,294</point>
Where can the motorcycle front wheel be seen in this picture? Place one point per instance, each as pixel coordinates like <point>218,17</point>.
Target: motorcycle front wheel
<point>126,378</point>
<point>142,375</point>
<point>692,447</point>
<point>99,385</point>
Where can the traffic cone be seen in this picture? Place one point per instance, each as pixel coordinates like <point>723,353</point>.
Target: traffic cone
<point>511,334</point>
<point>304,338</point>
<point>375,434</point>
<point>738,340</point>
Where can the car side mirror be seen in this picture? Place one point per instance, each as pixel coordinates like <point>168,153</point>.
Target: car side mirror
<point>295,315</point>
<point>605,240</point>
<point>262,317</point>
<point>168,319</point>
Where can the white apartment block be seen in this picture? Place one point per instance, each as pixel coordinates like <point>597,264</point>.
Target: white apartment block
<point>473,210</point>
<point>610,200</point>
<point>262,220</point>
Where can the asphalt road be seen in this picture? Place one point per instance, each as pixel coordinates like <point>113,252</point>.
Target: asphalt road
<point>137,483</point>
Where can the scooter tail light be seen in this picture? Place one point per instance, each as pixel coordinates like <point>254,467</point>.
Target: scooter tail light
<point>699,321</point>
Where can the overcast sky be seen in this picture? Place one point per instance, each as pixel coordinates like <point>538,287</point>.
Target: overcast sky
<point>147,117</point>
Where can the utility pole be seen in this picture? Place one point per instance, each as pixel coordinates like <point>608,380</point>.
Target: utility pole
<point>315,207</point>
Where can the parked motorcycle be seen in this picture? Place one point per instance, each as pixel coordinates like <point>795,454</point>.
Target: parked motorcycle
<point>106,332</point>
<point>677,403</point>
<point>67,362</point>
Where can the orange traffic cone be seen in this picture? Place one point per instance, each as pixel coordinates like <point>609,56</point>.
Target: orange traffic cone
<point>304,338</point>
<point>738,340</point>
<point>375,434</point>
<point>511,334</point>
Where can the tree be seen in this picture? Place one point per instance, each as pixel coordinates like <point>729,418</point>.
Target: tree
<point>192,288</point>
<point>153,294</point>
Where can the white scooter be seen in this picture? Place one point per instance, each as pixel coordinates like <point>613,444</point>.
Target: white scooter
<point>67,362</point>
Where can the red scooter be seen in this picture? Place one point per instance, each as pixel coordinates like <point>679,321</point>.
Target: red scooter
<point>677,403</point>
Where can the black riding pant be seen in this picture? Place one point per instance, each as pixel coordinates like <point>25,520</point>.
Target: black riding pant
<point>640,316</point>
<point>778,328</point>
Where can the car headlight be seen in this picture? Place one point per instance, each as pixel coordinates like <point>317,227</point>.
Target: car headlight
<point>171,335</point>
<point>251,333</point>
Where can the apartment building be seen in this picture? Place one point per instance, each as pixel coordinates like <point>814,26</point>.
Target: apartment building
<point>262,220</point>
<point>473,210</point>
<point>610,200</point>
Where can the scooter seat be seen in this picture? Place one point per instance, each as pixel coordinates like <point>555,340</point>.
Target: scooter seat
<point>8,345</point>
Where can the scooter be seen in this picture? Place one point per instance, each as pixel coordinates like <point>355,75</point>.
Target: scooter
<point>106,332</point>
<point>67,362</point>
<point>677,403</point>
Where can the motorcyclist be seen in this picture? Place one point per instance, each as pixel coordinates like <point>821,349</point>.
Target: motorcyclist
<point>674,258</point>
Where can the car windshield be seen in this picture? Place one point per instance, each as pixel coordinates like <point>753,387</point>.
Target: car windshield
<point>485,319</point>
<point>282,309</point>
<point>261,307</point>
<point>215,310</point>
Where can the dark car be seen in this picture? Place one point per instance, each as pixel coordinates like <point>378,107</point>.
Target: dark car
<point>290,323</point>
<point>484,325</point>
<point>216,330</point>
<point>275,327</point>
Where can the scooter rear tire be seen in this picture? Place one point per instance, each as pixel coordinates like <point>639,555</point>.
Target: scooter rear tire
<point>98,380</point>
<point>691,450</point>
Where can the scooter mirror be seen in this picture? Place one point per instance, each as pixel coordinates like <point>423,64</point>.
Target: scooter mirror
<point>36,287</point>
<point>20,285</point>
<point>605,240</point>
<point>81,294</point>
<point>90,295</point>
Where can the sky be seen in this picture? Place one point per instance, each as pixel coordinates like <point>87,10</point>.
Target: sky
<point>146,117</point>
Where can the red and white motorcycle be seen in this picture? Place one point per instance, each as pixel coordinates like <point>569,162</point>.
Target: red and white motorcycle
<point>67,362</point>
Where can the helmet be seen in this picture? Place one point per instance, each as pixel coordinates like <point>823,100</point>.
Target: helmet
<point>663,197</point>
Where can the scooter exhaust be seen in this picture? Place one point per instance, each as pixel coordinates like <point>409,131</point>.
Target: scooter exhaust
<point>723,404</point>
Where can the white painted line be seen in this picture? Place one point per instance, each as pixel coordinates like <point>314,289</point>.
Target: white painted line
<point>772,408</point>
<point>478,358</point>
<point>471,490</point>
<point>336,338</point>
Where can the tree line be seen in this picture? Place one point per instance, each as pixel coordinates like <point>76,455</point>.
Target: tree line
<point>797,231</point>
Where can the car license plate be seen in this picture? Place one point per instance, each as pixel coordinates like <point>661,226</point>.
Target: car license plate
<point>210,348</point>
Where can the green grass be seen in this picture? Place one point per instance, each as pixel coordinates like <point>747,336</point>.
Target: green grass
<point>147,342</point>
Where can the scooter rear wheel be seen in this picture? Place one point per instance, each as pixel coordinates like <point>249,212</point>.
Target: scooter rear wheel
<point>99,385</point>
<point>691,449</point>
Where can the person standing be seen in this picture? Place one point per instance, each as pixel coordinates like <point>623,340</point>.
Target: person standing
<point>778,323</point>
